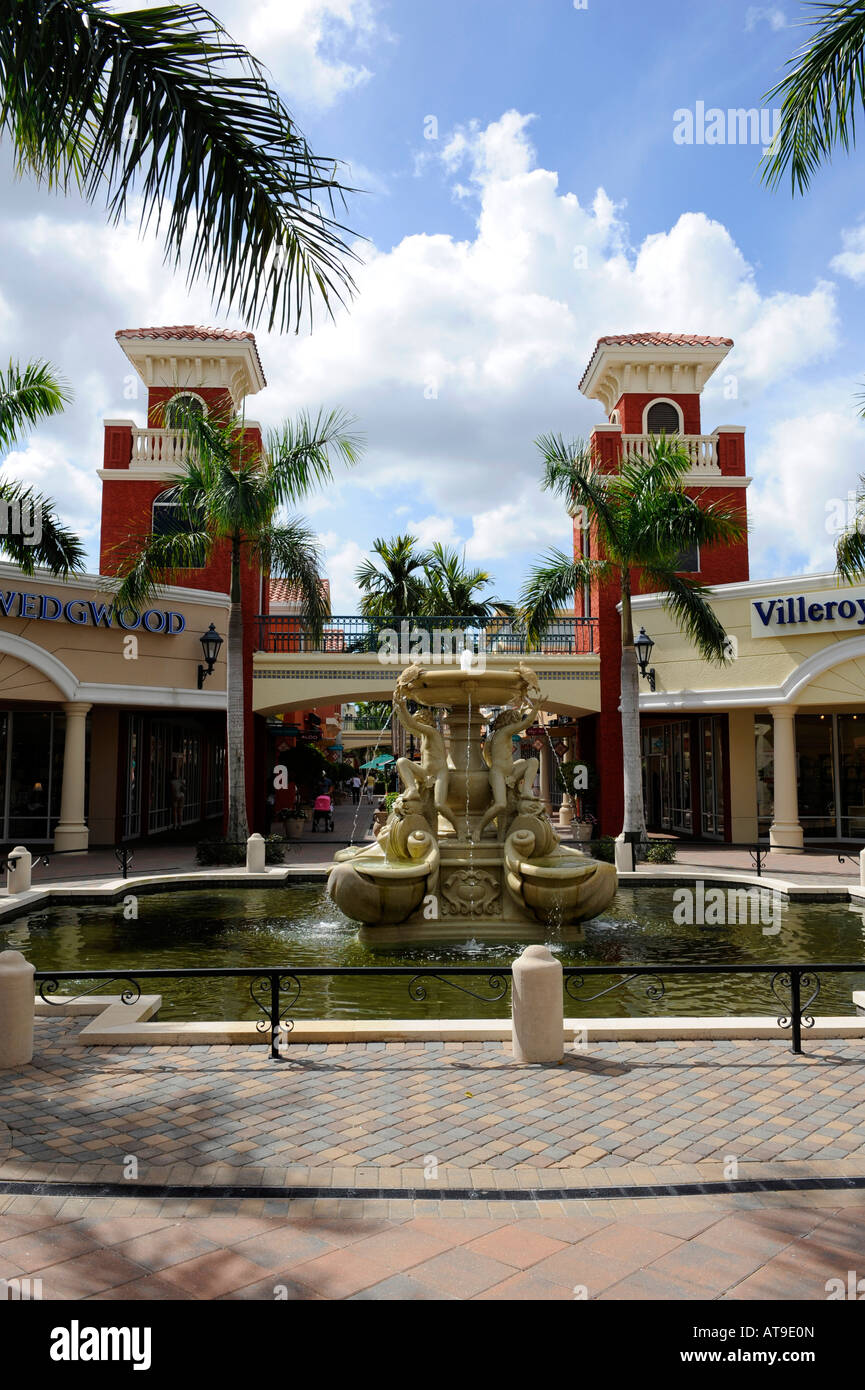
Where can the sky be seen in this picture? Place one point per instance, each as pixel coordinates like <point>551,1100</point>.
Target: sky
<point>527,188</point>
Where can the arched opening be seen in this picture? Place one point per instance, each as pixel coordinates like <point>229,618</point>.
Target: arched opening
<point>662,417</point>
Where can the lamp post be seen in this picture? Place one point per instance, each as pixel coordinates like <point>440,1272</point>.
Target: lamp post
<point>644,646</point>
<point>210,645</point>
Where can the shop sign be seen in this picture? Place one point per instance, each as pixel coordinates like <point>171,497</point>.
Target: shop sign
<point>834,609</point>
<point>89,613</point>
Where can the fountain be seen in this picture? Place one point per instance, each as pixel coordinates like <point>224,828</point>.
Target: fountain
<point>468,845</point>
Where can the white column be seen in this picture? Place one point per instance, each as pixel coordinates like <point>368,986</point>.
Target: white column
<point>72,831</point>
<point>546,772</point>
<point>785,831</point>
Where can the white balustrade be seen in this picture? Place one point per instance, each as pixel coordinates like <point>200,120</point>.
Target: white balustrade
<point>702,449</point>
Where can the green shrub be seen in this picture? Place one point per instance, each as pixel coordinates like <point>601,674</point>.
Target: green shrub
<point>661,852</point>
<point>605,849</point>
<point>389,800</point>
<point>230,855</point>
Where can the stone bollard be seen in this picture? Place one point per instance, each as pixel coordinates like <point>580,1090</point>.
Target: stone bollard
<point>862,867</point>
<point>537,1009</point>
<point>624,856</point>
<point>16,1009</point>
<point>18,875</point>
<point>256,850</point>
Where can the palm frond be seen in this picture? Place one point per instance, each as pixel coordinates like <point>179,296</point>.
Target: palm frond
<point>28,394</point>
<point>163,104</point>
<point>31,533</point>
<point>291,552</point>
<point>302,451</point>
<point>850,550</point>
<point>820,95</point>
<point>569,472</point>
<point>688,603</point>
<point>159,559</point>
<point>552,584</point>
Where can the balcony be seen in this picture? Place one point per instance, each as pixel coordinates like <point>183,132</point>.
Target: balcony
<point>288,632</point>
<point>158,448</point>
<point>702,449</point>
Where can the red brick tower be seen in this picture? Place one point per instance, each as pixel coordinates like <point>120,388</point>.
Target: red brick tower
<point>649,383</point>
<point>217,369</point>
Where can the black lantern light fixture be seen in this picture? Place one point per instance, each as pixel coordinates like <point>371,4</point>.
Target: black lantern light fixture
<point>644,646</point>
<point>210,645</point>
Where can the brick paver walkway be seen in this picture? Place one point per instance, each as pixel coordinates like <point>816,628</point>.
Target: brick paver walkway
<point>468,1105</point>
<point>127,1249</point>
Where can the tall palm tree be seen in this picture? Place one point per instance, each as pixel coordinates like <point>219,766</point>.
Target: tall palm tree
<point>820,95</point>
<point>452,588</point>
<point>29,394</point>
<point>397,587</point>
<point>642,520</point>
<point>162,104</point>
<point>226,496</point>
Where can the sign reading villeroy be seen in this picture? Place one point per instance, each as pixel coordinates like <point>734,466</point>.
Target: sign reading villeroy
<point>793,614</point>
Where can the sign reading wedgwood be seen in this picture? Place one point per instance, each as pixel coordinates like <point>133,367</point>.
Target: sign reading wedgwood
<point>834,609</point>
<point>49,608</point>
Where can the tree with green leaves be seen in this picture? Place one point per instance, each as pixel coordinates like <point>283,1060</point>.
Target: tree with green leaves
<point>820,95</point>
<point>163,105</point>
<point>641,520</point>
<point>229,496</point>
<point>452,587</point>
<point>28,395</point>
<point>396,586</point>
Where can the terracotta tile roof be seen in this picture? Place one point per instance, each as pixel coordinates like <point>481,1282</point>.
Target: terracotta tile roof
<point>193,332</point>
<point>655,340</point>
<point>185,330</point>
<point>282,591</point>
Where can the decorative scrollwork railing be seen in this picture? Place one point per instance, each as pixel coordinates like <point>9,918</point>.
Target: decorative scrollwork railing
<point>575,982</point>
<point>275,990</point>
<point>498,983</point>
<point>49,985</point>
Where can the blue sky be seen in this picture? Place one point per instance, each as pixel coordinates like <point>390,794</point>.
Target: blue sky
<point>473,323</point>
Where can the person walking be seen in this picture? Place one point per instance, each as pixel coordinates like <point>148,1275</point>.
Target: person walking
<point>355,785</point>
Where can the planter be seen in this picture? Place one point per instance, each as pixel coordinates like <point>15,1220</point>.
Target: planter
<point>294,829</point>
<point>582,831</point>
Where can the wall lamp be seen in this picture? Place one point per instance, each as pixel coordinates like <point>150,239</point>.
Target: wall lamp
<point>644,646</point>
<point>210,645</point>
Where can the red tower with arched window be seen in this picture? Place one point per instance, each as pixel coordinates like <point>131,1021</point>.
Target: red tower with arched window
<point>650,383</point>
<point>213,369</point>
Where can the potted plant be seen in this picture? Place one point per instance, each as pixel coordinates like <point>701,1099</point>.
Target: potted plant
<point>293,822</point>
<point>584,826</point>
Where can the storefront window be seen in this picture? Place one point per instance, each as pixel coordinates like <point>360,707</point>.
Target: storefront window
<point>712,777</point>
<point>764,754</point>
<point>851,775</point>
<point>31,773</point>
<point>816,773</point>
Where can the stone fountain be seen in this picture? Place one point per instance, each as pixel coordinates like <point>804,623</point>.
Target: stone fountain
<point>468,845</point>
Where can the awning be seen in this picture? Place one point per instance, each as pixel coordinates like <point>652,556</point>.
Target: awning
<point>383,760</point>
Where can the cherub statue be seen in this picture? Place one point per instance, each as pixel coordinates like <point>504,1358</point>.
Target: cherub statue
<point>528,682</point>
<point>432,772</point>
<point>506,771</point>
<point>407,679</point>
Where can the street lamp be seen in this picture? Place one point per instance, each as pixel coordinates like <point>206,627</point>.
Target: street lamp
<point>210,645</point>
<point>644,646</point>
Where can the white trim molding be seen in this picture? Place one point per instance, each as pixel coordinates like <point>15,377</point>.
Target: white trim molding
<point>756,697</point>
<point>98,693</point>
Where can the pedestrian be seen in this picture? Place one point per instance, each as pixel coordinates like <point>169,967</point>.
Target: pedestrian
<point>355,785</point>
<point>370,788</point>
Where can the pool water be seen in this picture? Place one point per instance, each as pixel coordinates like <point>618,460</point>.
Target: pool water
<point>301,926</point>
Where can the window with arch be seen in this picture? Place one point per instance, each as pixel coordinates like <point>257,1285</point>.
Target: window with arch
<point>663,417</point>
<point>181,406</point>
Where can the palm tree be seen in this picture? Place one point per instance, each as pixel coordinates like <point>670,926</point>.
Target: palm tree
<point>820,95</point>
<point>162,104</point>
<point>452,588</point>
<point>850,548</point>
<point>226,496</point>
<point>27,395</point>
<point>642,520</point>
<point>397,588</point>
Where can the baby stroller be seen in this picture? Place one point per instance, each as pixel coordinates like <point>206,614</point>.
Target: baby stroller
<point>322,810</point>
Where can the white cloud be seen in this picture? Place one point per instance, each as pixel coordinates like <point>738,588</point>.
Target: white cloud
<point>802,478</point>
<point>851,261</point>
<point>766,14</point>
<point>434,528</point>
<point>317,49</point>
<point>341,559</point>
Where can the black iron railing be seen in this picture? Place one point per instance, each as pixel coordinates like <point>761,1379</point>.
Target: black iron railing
<point>287,632</point>
<point>276,989</point>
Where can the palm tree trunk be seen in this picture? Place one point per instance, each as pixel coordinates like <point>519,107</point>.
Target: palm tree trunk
<point>635,820</point>
<point>238,826</point>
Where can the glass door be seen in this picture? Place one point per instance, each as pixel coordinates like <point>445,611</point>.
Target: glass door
<point>712,777</point>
